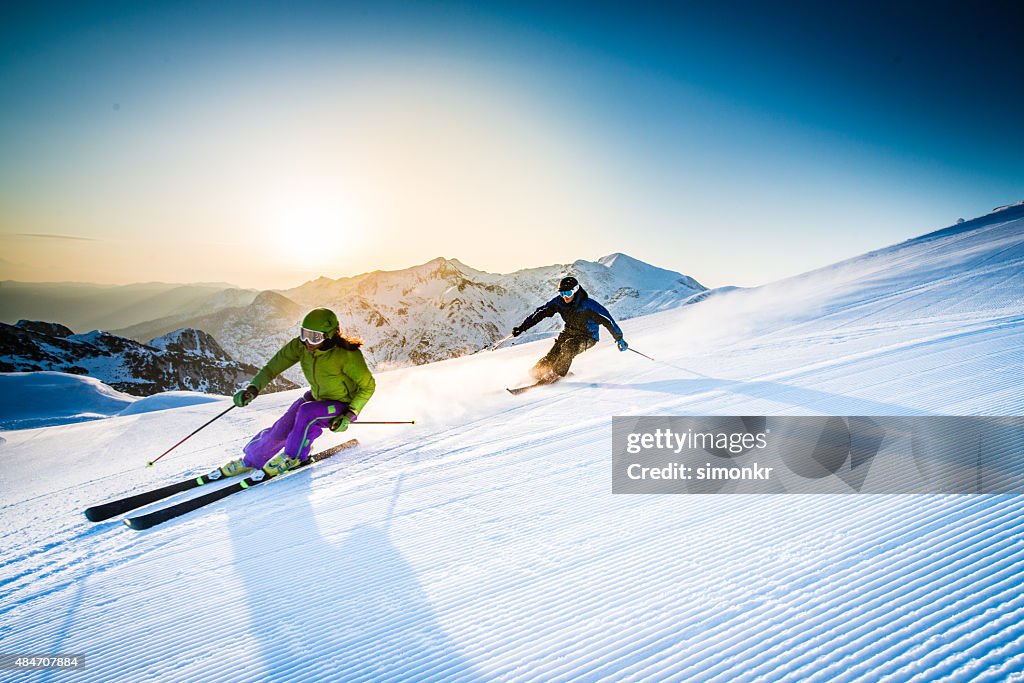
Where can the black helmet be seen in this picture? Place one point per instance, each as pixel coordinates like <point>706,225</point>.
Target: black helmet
<point>568,284</point>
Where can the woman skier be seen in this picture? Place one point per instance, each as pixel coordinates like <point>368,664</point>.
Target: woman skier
<point>340,384</point>
<point>582,315</point>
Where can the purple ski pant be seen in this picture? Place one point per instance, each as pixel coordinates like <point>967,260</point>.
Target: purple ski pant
<point>294,431</point>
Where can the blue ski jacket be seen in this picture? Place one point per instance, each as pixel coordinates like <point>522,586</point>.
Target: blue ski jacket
<point>582,316</point>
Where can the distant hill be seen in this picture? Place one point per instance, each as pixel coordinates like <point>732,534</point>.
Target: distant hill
<point>82,306</point>
<point>185,360</point>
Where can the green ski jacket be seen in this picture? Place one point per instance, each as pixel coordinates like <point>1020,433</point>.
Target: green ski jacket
<point>336,373</point>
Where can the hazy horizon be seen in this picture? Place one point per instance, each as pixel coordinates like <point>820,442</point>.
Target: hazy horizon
<point>312,279</point>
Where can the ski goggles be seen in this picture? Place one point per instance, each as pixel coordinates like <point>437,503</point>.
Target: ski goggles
<point>566,293</point>
<point>312,337</point>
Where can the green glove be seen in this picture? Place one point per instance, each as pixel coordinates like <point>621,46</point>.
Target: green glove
<point>341,423</point>
<point>245,396</point>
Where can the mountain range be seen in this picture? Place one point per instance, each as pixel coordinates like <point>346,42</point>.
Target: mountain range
<point>434,311</point>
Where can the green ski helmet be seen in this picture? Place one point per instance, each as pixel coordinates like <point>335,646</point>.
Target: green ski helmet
<point>319,320</point>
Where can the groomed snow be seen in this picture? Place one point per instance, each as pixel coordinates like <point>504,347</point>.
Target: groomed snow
<point>484,542</point>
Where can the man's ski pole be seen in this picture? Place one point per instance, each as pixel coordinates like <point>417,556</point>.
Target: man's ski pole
<point>496,346</point>
<point>398,422</point>
<point>493,347</point>
<point>671,365</point>
<point>151,462</point>
<point>642,354</point>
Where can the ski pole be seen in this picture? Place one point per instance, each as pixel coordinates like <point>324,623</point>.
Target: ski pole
<point>492,347</point>
<point>397,422</point>
<point>642,354</point>
<point>153,461</point>
<point>496,346</point>
<point>685,370</point>
<point>671,365</point>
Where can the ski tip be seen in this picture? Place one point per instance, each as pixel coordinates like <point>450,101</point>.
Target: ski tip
<point>134,524</point>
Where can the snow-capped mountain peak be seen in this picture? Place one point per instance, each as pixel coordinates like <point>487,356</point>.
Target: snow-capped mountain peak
<point>441,308</point>
<point>195,342</point>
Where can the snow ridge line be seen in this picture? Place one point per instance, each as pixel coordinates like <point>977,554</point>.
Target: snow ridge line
<point>875,605</point>
<point>722,653</point>
<point>634,641</point>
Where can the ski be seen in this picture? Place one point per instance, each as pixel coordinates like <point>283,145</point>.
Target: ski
<point>163,514</point>
<point>515,391</point>
<point>99,513</point>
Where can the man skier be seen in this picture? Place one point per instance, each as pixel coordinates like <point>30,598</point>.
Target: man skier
<point>582,315</point>
<point>340,385</point>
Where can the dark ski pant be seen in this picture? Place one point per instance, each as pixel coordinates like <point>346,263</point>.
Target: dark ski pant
<point>559,358</point>
<point>295,431</point>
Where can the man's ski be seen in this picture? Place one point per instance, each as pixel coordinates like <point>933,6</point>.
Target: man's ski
<point>515,391</point>
<point>257,477</point>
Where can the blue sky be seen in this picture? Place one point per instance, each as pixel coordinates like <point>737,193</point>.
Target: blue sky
<point>268,143</point>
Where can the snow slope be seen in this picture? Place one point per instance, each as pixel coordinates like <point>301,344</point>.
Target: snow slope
<point>43,399</point>
<point>484,543</point>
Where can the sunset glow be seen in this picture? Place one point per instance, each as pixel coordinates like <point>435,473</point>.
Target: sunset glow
<point>266,148</point>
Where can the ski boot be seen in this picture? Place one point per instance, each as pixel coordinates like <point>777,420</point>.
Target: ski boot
<point>231,469</point>
<point>279,464</point>
<point>544,374</point>
<point>547,376</point>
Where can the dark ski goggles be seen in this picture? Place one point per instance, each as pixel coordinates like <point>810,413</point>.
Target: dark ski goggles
<point>312,337</point>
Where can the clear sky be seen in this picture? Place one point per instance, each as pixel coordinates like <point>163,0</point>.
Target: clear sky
<point>265,144</point>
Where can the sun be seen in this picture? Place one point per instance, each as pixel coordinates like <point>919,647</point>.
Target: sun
<point>313,233</point>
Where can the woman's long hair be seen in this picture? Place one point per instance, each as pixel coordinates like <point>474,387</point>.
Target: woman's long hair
<point>347,342</point>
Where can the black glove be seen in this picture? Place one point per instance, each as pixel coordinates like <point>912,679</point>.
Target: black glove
<point>341,423</point>
<point>516,331</point>
<point>245,396</point>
